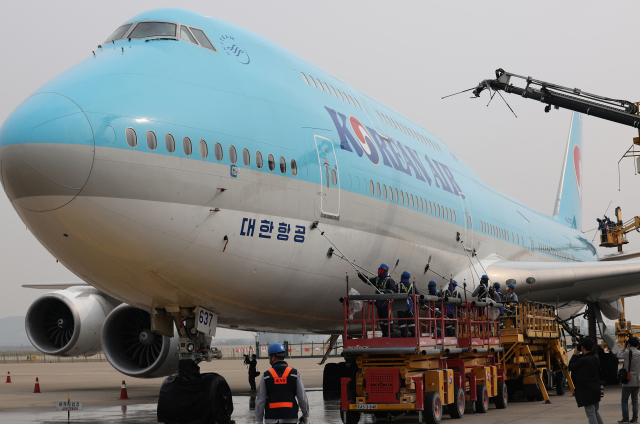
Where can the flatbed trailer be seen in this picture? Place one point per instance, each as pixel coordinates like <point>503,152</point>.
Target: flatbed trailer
<point>451,359</point>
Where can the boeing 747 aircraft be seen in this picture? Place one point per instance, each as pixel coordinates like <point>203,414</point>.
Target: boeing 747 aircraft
<point>178,170</point>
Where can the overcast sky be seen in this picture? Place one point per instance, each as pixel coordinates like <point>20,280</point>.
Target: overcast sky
<point>406,55</point>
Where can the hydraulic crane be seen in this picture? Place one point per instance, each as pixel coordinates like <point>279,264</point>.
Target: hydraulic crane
<point>614,234</point>
<point>621,111</point>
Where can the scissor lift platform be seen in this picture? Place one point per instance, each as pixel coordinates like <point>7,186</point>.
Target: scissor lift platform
<point>450,360</point>
<point>534,357</point>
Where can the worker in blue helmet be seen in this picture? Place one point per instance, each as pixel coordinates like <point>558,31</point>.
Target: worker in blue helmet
<point>406,318</point>
<point>279,388</point>
<point>510,296</point>
<point>383,284</point>
<point>482,291</point>
<point>433,289</point>
<point>452,290</point>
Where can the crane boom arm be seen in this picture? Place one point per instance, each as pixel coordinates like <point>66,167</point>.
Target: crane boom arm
<point>621,111</point>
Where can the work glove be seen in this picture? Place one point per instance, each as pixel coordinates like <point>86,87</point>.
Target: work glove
<point>362,277</point>
<point>304,420</point>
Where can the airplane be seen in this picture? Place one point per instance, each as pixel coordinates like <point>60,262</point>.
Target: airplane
<point>181,168</point>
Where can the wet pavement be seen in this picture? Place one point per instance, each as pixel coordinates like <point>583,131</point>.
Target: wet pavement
<point>562,409</point>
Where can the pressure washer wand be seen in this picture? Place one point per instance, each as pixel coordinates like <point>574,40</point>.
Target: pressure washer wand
<point>315,225</point>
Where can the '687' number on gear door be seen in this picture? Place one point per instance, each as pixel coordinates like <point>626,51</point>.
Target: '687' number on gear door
<point>206,321</point>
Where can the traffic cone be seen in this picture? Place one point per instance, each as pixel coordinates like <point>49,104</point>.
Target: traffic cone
<point>37,388</point>
<point>123,392</point>
<point>8,377</point>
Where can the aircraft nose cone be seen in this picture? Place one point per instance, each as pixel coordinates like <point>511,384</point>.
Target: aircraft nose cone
<point>46,152</point>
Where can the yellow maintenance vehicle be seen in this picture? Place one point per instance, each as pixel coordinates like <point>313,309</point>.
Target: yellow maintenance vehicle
<point>535,358</point>
<point>614,233</point>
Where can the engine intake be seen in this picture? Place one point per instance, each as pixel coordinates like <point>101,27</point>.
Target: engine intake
<point>133,349</point>
<point>68,322</point>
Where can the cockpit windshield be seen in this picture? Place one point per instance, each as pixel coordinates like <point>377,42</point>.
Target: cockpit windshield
<point>162,30</point>
<point>153,29</point>
<point>119,33</point>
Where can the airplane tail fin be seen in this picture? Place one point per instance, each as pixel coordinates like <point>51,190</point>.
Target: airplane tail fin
<point>568,207</point>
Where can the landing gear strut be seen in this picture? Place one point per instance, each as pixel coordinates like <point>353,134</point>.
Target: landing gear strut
<point>191,396</point>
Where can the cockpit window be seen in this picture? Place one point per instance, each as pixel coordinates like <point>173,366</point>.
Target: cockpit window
<point>202,39</point>
<point>119,33</point>
<point>186,35</point>
<point>153,29</point>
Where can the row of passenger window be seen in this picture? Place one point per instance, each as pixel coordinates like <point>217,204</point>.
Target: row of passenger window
<point>203,148</point>
<point>410,132</point>
<point>554,252</point>
<point>399,196</point>
<point>328,88</point>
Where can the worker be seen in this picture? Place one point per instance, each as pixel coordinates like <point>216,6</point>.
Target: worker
<point>253,373</point>
<point>279,388</point>
<point>406,321</point>
<point>384,284</point>
<point>510,297</point>
<point>433,289</point>
<point>495,293</point>
<point>452,290</point>
<point>482,291</point>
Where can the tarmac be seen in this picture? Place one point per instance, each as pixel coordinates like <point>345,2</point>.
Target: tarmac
<point>97,385</point>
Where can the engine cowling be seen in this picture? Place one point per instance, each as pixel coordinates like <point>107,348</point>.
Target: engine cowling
<point>68,322</point>
<point>133,349</point>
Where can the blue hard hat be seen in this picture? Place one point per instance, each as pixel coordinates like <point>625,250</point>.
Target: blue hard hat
<point>454,283</point>
<point>276,348</point>
<point>406,274</point>
<point>496,285</point>
<point>484,277</point>
<point>432,283</point>
<point>384,266</point>
<point>511,286</point>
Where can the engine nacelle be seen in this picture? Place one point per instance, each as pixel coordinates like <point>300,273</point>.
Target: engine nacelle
<point>133,349</point>
<point>68,322</point>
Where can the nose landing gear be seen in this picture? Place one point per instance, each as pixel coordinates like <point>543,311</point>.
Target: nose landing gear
<point>191,396</point>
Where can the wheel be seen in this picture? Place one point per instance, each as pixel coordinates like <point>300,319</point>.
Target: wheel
<point>331,381</point>
<point>353,417</point>
<point>482,404</point>
<point>456,409</point>
<point>502,398</point>
<point>432,408</point>
<point>560,381</point>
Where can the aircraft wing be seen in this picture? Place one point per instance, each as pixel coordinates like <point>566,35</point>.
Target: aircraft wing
<point>55,286</point>
<point>573,281</point>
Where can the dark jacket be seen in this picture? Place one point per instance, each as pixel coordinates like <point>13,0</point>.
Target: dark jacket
<point>585,373</point>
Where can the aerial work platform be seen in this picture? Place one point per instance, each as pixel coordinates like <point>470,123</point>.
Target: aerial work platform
<point>535,358</point>
<point>447,362</point>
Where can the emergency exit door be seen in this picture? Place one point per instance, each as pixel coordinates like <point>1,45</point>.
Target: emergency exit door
<point>329,189</point>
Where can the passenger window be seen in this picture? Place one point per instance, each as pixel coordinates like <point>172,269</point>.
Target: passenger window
<point>334,177</point>
<point>217,151</point>
<point>202,39</point>
<point>413,203</point>
<point>152,141</point>
<point>313,81</point>
<point>153,29</point>
<point>118,34</point>
<point>390,193</point>
<point>397,198</point>
<point>283,165</point>
<point>233,155</point>
<point>204,149</point>
<point>132,137</point>
<point>259,163</point>
<point>327,87</point>
<point>384,191</point>
<point>186,145</point>
<point>272,162</point>
<point>402,197</point>
<point>186,35</point>
<point>246,157</point>
<point>170,143</point>
<point>320,84</point>
<point>371,189</point>
<point>305,78</point>
<point>378,189</point>
<point>294,167</point>
<point>358,103</point>
<point>341,95</point>
<point>333,90</point>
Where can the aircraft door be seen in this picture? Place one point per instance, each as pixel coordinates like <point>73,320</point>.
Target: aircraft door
<point>529,233</point>
<point>329,178</point>
<point>468,223</point>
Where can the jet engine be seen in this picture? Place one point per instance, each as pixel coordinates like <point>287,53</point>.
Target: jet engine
<point>68,322</point>
<point>133,349</point>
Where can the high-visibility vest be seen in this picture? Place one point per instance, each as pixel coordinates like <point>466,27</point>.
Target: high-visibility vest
<point>281,393</point>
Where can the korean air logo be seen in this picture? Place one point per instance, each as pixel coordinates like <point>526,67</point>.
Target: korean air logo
<point>365,140</point>
<point>577,166</point>
<point>450,379</point>
<point>234,49</point>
